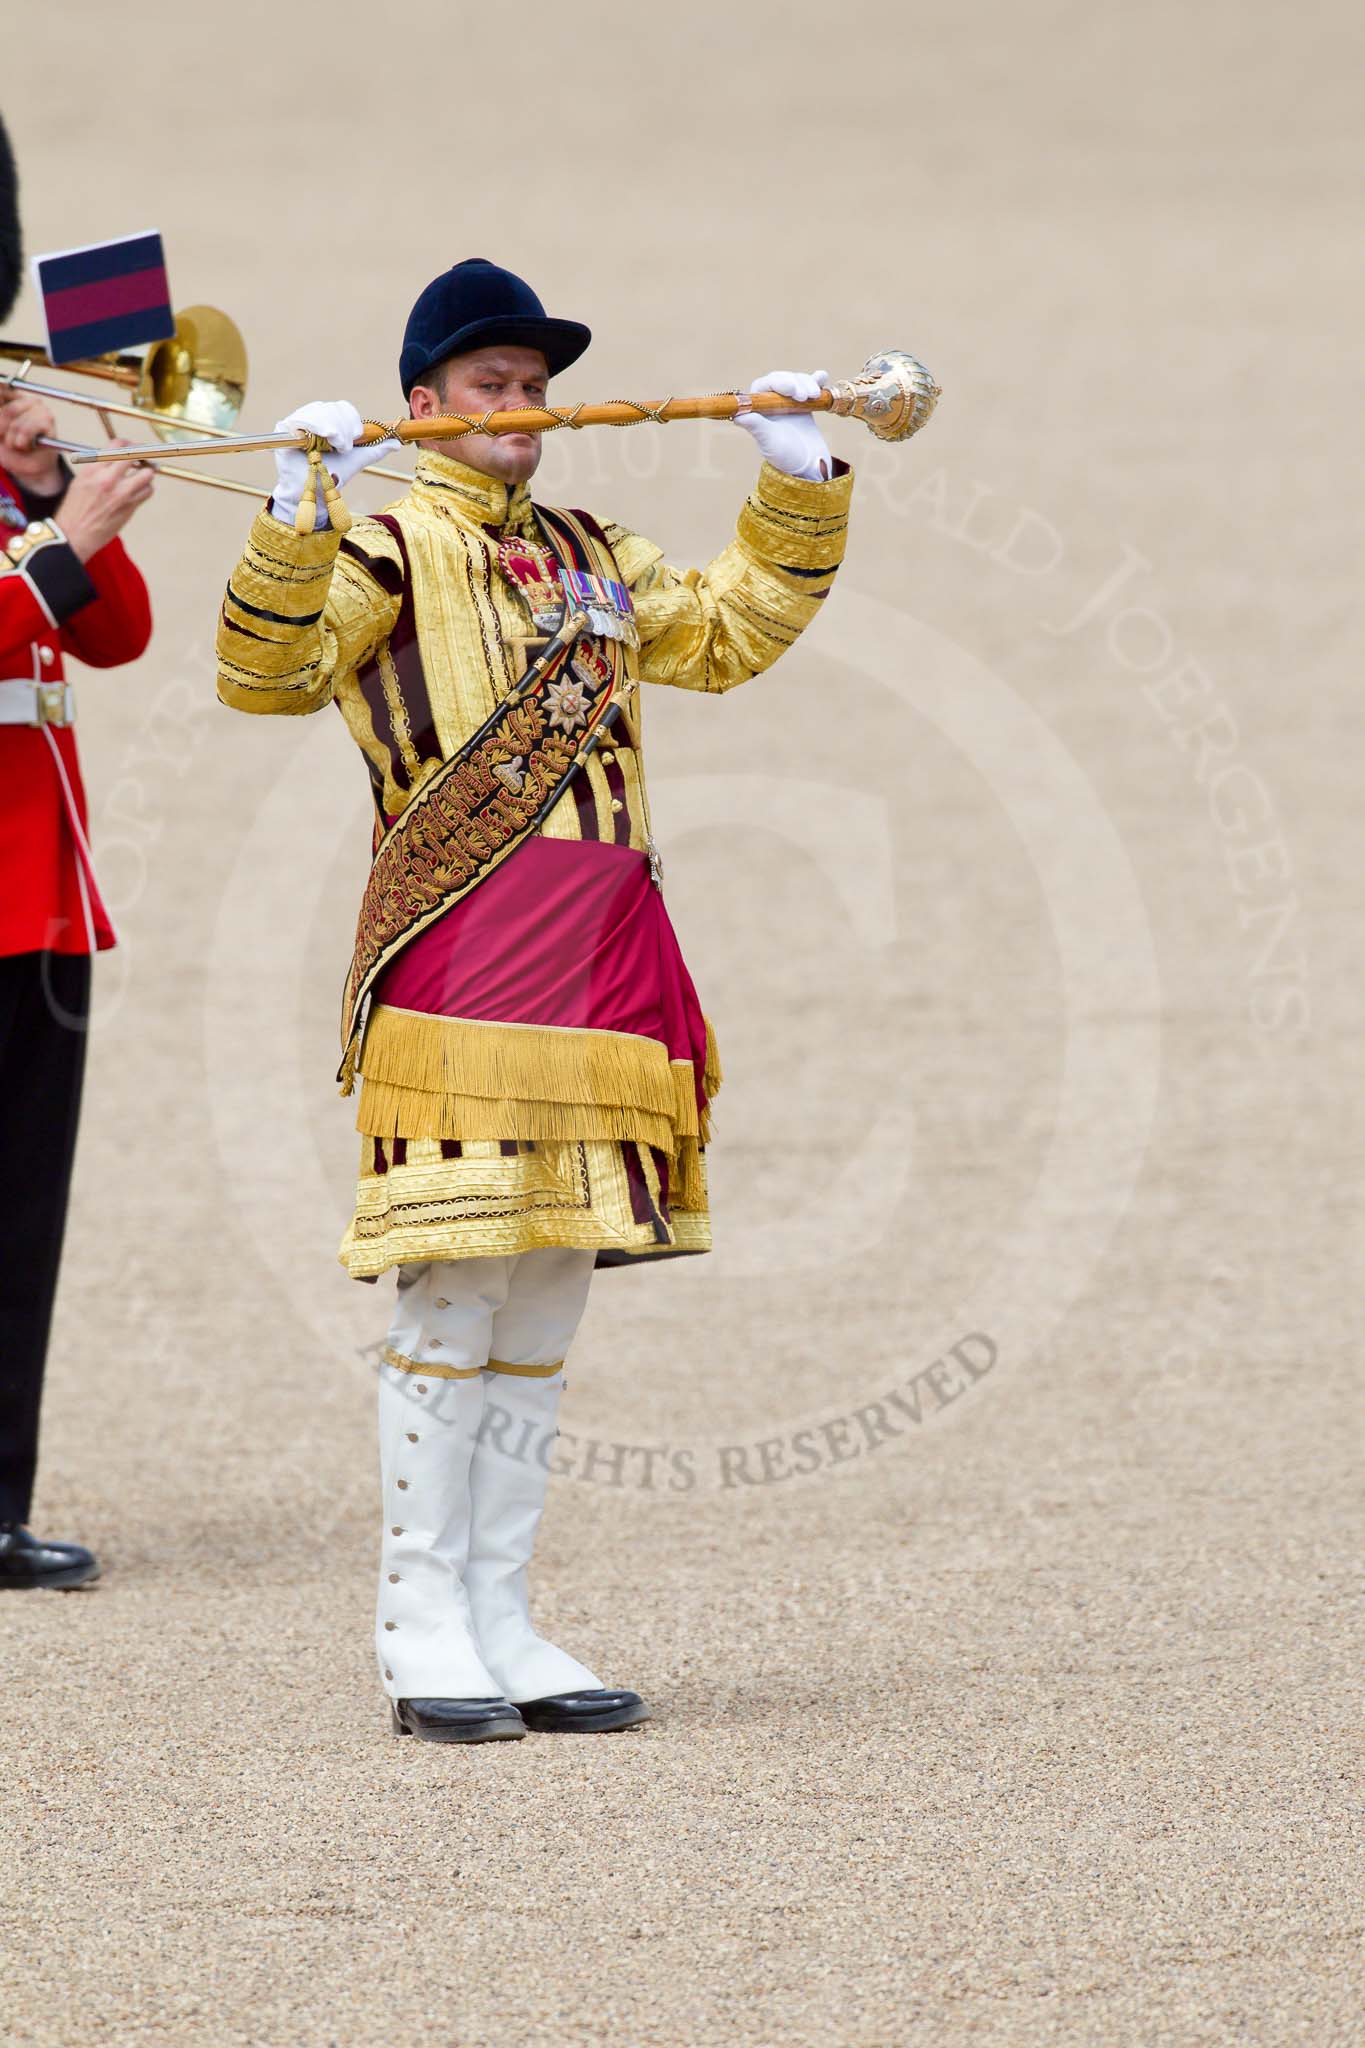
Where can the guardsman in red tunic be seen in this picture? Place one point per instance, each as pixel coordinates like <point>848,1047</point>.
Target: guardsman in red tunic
<point>66,588</point>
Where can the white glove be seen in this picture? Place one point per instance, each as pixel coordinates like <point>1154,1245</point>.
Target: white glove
<point>340,423</point>
<point>791,440</point>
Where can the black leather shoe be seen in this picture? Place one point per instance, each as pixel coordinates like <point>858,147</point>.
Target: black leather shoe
<point>27,1561</point>
<point>458,1720</point>
<point>584,1713</point>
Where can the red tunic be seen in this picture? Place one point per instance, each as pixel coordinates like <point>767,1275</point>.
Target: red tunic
<point>48,899</point>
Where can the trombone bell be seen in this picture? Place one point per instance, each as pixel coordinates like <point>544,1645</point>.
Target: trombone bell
<point>196,381</point>
<point>183,388</point>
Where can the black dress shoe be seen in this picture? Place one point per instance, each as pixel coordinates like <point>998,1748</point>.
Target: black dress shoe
<point>458,1720</point>
<point>584,1713</point>
<point>26,1561</point>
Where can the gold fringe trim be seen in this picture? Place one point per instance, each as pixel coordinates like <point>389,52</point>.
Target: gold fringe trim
<point>687,1183</point>
<point>451,1077</point>
<point>517,1062</point>
<point>712,1076</point>
<point>535,1064</point>
<point>388,1111</point>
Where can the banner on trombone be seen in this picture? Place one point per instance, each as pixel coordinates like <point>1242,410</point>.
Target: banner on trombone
<point>104,296</point>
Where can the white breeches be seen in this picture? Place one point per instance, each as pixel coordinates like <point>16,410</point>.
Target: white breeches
<point>468,1394</point>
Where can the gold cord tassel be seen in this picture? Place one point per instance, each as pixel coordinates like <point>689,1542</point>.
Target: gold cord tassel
<point>306,517</point>
<point>337,514</point>
<point>320,484</point>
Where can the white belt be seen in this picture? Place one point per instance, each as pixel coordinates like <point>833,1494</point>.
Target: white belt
<point>24,702</point>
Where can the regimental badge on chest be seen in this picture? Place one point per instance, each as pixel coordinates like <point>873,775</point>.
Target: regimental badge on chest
<point>12,513</point>
<point>534,574</point>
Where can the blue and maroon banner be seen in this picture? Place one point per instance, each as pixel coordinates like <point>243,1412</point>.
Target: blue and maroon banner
<point>108,295</point>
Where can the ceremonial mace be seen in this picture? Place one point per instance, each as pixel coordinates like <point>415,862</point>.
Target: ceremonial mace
<point>893,395</point>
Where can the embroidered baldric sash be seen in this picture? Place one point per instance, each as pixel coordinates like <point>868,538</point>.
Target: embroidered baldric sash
<point>478,807</point>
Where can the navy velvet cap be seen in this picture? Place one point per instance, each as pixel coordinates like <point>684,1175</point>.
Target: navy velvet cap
<point>475,304</point>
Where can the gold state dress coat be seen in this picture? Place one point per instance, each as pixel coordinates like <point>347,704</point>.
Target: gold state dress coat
<point>548,1138</point>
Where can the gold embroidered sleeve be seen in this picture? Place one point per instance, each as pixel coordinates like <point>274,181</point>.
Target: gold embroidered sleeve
<point>708,629</point>
<point>298,615</point>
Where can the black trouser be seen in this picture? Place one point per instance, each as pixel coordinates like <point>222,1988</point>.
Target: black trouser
<point>44,1008</point>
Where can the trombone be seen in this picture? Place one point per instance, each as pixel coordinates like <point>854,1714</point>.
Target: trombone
<point>188,386</point>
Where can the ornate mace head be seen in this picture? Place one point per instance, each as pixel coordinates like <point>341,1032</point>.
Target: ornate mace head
<point>893,394</point>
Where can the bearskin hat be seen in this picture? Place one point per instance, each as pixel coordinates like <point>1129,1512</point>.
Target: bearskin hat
<point>11,248</point>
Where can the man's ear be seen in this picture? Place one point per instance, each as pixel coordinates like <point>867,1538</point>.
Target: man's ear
<point>423,402</point>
